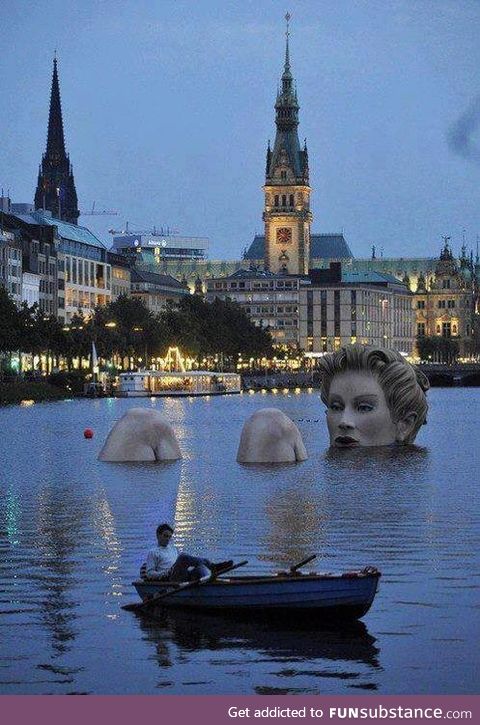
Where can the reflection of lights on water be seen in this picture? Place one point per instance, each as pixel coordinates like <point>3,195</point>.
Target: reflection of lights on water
<point>27,403</point>
<point>13,515</point>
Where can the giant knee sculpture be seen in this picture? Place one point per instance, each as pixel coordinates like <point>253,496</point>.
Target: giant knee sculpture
<point>269,436</point>
<point>141,435</point>
<point>374,397</point>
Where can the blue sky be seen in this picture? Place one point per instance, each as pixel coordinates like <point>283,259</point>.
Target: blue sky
<point>168,107</point>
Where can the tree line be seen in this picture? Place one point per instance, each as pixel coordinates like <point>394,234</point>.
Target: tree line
<point>125,331</point>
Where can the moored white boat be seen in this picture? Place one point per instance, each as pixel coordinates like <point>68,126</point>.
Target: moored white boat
<point>151,383</point>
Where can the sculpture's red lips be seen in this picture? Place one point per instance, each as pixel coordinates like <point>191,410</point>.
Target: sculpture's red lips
<point>346,442</point>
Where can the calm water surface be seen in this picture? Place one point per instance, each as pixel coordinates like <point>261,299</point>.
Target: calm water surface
<point>73,532</point>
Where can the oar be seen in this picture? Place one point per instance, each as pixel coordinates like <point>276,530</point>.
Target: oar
<point>142,606</point>
<point>295,567</point>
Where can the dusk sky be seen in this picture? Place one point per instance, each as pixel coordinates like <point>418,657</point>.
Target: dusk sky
<point>168,107</point>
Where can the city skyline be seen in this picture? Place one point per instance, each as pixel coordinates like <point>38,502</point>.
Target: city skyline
<point>386,167</point>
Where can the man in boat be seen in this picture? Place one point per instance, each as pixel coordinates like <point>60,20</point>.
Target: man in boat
<point>165,563</point>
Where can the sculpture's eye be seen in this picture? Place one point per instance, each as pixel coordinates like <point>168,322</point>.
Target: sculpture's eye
<point>335,405</point>
<point>365,407</point>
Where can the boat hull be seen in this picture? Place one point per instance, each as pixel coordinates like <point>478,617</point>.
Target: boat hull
<point>344,597</point>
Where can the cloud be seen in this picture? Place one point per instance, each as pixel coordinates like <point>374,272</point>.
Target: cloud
<point>460,135</point>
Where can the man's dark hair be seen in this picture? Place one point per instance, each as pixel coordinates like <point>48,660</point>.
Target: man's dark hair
<point>164,527</point>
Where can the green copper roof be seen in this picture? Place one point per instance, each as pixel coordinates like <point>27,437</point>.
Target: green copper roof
<point>72,232</point>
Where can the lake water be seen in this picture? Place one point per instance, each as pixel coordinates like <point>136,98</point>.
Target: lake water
<point>73,532</point>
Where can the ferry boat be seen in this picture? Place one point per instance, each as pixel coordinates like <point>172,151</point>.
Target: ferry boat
<point>151,383</point>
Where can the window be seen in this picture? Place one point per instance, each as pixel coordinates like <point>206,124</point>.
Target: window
<point>276,200</point>
<point>420,304</point>
<point>446,284</point>
<point>450,304</point>
<point>446,329</point>
<point>284,200</point>
<point>283,175</point>
<point>336,313</point>
<point>421,329</point>
<point>442,304</point>
<point>291,200</point>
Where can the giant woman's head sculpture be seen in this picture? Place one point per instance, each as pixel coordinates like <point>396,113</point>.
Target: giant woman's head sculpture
<point>374,397</point>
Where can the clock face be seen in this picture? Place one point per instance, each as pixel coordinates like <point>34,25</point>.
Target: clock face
<point>284,235</point>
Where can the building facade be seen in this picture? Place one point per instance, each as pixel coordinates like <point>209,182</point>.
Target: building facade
<point>84,275</point>
<point>156,290</point>
<point>11,265</point>
<point>121,275</point>
<point>270,300</point>
<point>41,266</point>
<point>161,248</point>
<point>341,308</point>
<point>445,305</point>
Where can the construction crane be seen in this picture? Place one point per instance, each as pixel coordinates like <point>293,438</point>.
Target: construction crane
<point>93,212</point>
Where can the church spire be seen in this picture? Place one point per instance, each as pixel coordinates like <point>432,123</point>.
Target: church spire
<point>55,139</point>
<point>55,185</point>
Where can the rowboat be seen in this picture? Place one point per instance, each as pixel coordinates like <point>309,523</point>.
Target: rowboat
<point>335,596</point>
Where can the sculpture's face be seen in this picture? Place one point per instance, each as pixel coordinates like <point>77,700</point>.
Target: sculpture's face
<point>357,412</point>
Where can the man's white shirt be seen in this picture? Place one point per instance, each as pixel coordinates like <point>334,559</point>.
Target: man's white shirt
<point>160,560</point>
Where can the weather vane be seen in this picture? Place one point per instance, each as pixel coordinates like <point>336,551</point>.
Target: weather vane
<point>287,18</point>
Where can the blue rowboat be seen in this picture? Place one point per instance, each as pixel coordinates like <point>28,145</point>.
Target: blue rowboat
<point>340,596</point>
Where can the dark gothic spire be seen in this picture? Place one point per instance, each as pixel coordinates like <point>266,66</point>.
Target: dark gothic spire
<point>55,185</point>
<point>286,151</point>
<point>55,140</point>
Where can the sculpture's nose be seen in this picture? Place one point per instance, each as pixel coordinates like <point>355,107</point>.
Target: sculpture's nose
<point>346,422</point>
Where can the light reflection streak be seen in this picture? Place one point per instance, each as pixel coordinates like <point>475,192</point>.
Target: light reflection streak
<point>12,517</point>
<point>104,522</point>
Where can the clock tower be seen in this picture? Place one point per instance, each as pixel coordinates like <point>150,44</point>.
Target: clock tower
<point>287,214</point>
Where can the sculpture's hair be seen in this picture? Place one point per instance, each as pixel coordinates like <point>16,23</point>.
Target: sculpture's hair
<point>404,386</point>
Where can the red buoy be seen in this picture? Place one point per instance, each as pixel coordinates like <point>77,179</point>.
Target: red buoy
<point>88,433</point>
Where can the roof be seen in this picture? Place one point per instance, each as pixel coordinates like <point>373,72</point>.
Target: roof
<point>322,246</point>
<point>164,280</point>
<point>73,232</point>
<point>249,273</point>
<point>369,278</point>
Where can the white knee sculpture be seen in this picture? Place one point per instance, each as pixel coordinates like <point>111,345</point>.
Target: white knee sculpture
<point>269,436</point>
<point>141,435</point>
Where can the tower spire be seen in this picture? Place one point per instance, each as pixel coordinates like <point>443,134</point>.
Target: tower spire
<point>55,137</point>
<point>287,49</point>
<point>55,185</point>
<point>287,214</point>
